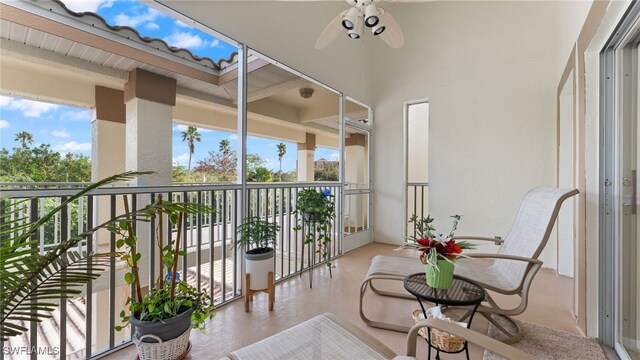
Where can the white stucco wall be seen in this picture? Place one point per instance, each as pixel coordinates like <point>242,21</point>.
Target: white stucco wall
<point>490,71</point>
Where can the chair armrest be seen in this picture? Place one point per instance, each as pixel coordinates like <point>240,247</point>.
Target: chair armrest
<point>504,256</point>
<point>471,336</point>
<point>496,240</point>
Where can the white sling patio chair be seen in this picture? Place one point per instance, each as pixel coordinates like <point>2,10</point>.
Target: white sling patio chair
<point>327,337</point>
<point>511,273</point>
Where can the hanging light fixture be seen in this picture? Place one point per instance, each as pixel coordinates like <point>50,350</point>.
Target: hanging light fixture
<point>356,32</point>
<point>349,19</point>
<point>378,29</point>
<point>371,18</point>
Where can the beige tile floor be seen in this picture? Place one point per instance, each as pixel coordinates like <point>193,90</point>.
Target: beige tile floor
<point>232,328</point>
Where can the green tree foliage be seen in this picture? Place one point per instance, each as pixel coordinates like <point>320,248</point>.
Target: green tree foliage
<point>24,138</point>
<point>260,174</point>
<point>182,175</point>
<point>221,165</point>
<point>328,172</point>
<point>191,135</point>
<point>290,176</point>
<point>282,150</point>
<point>225,147</point>
<point>41,164</point>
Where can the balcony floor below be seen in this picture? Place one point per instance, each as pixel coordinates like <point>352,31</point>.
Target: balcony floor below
<point>550,305</point>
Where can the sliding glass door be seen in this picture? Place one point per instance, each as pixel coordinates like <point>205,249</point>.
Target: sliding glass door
<point>619,163</point>
<point>627,339</point>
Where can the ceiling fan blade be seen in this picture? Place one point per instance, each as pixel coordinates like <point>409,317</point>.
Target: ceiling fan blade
<point>392,35</point>
<point>329,33</point>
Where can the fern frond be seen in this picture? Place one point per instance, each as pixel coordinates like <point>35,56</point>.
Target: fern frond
<point>55,278</point>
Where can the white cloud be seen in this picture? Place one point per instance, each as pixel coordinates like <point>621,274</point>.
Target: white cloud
<point>233,137</point>
<point>4,124</point>
<point>186,40</point>
<point>215,43</point>
<point>60,133</point>
<point>180,24</point>
<point>73,146</point>
<point>78,115</point>
<point>123,19</point>
<point>152,26</point>
<point>29,108</point>
<point>87,5</point>
<point>181,159</point>
<point>272,164</point>
<point>4,100</point>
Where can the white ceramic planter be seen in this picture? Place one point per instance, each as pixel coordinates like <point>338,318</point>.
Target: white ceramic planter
<point>258,267</point>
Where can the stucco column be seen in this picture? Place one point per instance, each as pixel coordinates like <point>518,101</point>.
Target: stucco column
<point>355,174</point>
<point>149,100</point>
<point>107,158</point>
<point>306,153</point>
<point>107,134</point>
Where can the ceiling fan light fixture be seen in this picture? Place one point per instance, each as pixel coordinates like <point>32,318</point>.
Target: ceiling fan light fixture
<point>356,32</point>
<point>378,29</point>
<point>349,19</point>
<point>371,18</point>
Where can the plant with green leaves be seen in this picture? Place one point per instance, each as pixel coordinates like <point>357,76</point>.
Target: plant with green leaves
<point>257,235</point>
<point>170,296</point>
<point>318,212</point>
<point>31,284</point>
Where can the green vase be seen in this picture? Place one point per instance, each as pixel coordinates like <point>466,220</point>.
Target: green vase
<point>442,277</point>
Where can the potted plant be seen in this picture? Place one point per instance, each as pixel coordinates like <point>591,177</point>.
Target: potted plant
<point>258,238</point>
<point>318,211</point>
<point>438,251</point>
<point>30,282</point>
<point>162,319</point>
<point>38,280</point>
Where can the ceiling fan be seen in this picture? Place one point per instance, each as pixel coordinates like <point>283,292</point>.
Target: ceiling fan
<point>363,15</point>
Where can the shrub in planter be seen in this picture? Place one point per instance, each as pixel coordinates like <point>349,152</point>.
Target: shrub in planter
<point>258,238</point>
<point>173,306</point>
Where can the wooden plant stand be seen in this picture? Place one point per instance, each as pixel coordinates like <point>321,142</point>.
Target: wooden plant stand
<point>248,293</point>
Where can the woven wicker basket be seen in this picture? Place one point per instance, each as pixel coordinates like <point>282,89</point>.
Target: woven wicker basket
<point>162,350</point>
<point>439,339</point>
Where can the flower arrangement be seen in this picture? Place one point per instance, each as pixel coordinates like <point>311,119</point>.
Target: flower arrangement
<point>435,245</point>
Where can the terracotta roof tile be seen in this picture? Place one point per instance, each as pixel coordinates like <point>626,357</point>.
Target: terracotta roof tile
<point>130,33</point>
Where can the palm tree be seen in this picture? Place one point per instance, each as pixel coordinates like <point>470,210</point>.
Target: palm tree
<point>24,138</point>
<point>282,149</point>
<point>191,136</point>
<point>225,147</point>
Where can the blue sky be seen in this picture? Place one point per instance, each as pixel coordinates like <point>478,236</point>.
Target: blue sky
<point>68,129</point>
<point>152,23</point>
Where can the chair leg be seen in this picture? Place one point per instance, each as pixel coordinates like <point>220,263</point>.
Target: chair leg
<point>271,291</point>
<point>389,293</point>
<point>377,324</point>
<point>247,293</point>
<point>512,337</point>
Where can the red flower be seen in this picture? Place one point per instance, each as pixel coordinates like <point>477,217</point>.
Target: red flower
<point>450,247</point>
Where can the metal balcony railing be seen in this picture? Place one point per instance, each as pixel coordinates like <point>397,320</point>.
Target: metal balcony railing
<point>83,327</point>
<point>417,202</point>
